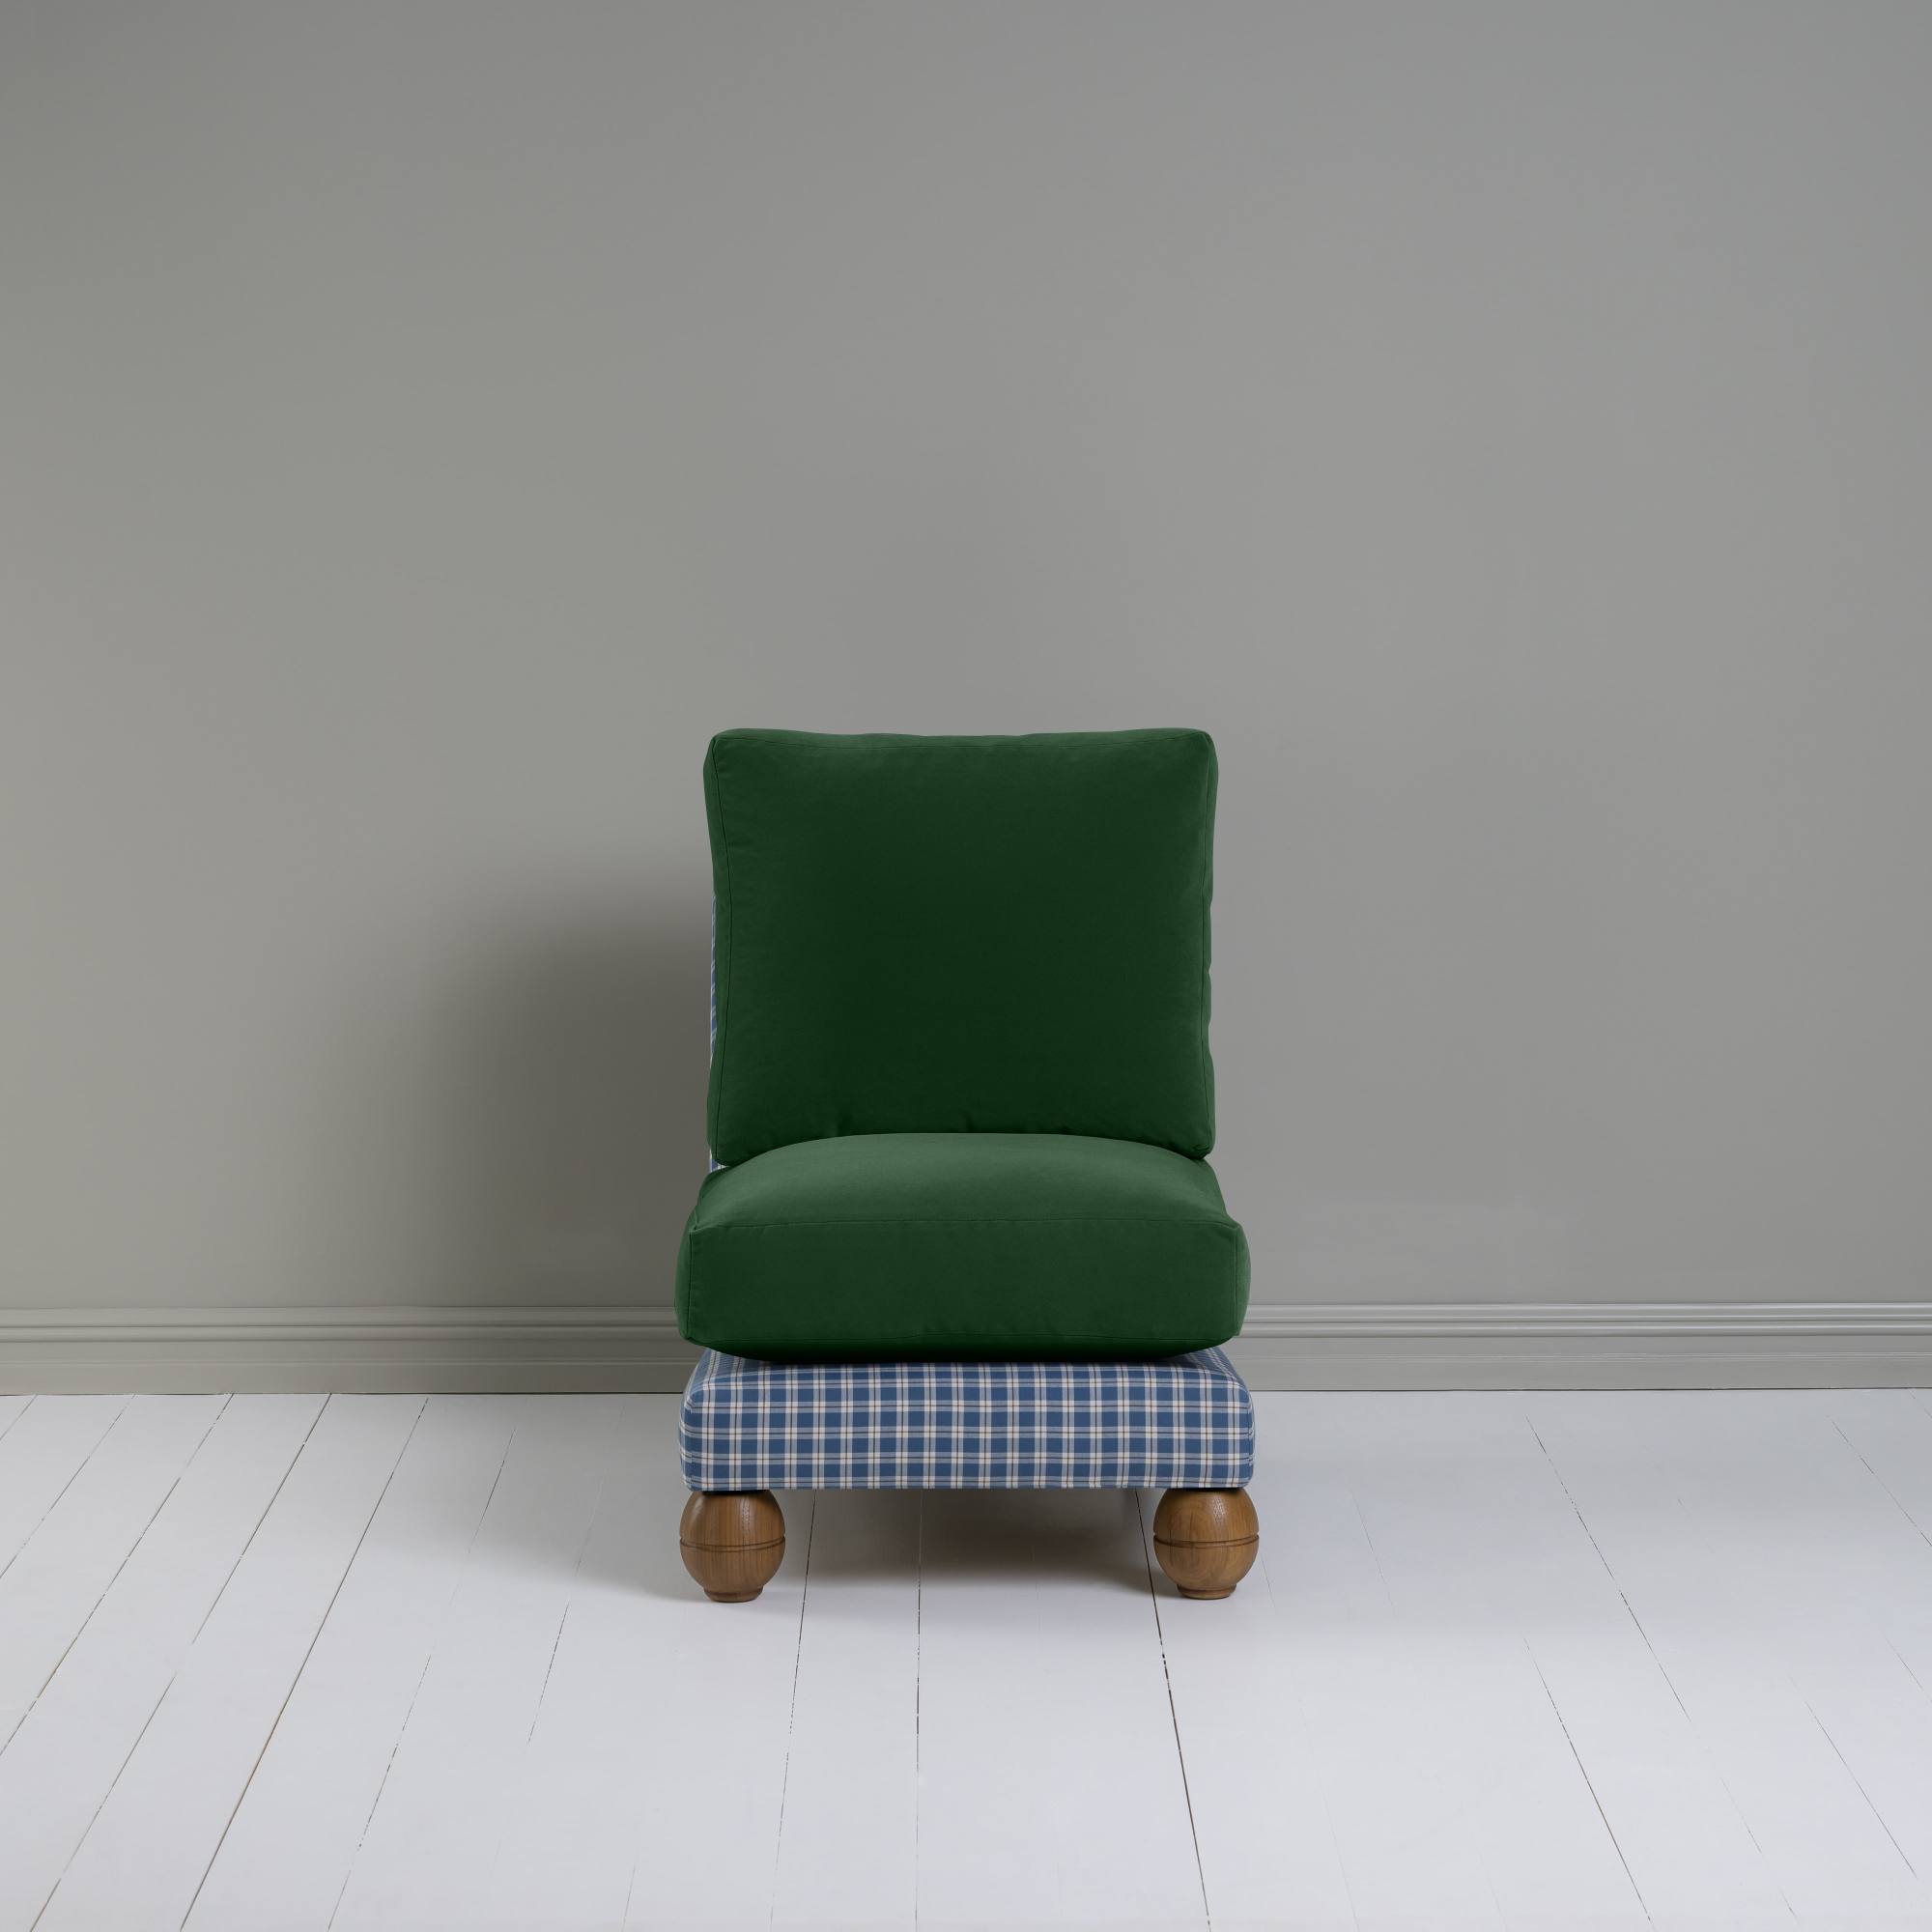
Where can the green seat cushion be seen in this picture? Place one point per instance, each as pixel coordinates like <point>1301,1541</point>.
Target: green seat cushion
<point>961,934</point>
<point>1004,1245</point>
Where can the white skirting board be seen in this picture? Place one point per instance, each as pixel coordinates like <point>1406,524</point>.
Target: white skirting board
<point>1483,1345</point>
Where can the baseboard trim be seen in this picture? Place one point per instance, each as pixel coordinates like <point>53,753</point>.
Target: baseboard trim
<point>353,1349</point>
<point>1497,1344</point>
<point>1305,1345</point>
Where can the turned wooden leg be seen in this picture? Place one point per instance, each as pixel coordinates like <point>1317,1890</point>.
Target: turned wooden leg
<point>1205,1540</point>
<point>732,1542</point>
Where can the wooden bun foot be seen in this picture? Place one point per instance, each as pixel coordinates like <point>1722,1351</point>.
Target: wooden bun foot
<point>732,1542</point>
<point>1205,1540</point>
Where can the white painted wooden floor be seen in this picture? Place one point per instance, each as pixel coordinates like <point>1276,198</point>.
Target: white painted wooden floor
<point>1523,1662</point>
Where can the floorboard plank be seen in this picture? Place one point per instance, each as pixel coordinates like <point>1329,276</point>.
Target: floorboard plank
<point>65,1565</point>
<point>60,1764</point>
<point>47,1447</point>
<point>1727,1520</point>
<point>854,1743</point>
<point>143,1859</point>
<point>1485,1552</point>
<point>1417,1712</point>
<point>288,1853</point>
<point>652,1778</point>
<point>1852,1608</point>
<point>1251,1714</point>
<point>429,1851</point>
<point>1889,1431</point>
<point>1050,1783</point>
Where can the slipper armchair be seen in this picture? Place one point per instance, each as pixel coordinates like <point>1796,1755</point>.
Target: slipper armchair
<point>960,1228</point>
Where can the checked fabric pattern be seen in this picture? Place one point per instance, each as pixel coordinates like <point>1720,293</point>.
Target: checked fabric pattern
<point>1186,1422</point>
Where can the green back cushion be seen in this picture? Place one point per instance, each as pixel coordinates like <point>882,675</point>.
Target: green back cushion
<point>961,934</point>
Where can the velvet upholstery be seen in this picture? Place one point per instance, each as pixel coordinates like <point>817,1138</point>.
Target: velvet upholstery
<point>960,1087</point>
<point>1003,935</point>
<point>962,1244</point>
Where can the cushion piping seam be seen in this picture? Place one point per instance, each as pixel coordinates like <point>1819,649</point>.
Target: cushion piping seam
<point>969,1221</point>
<point>725,1002</point>
<point>1235,1277</point>
<point>979,1341</point>
<point>1208,794</point>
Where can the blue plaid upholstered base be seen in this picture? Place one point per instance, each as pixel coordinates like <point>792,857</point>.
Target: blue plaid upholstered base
<point>1182,1423</point>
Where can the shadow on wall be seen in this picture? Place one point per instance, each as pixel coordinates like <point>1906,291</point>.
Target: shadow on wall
<point>565,1102</point>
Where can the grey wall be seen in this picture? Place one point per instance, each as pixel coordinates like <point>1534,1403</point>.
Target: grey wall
<point>1508,429</point>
